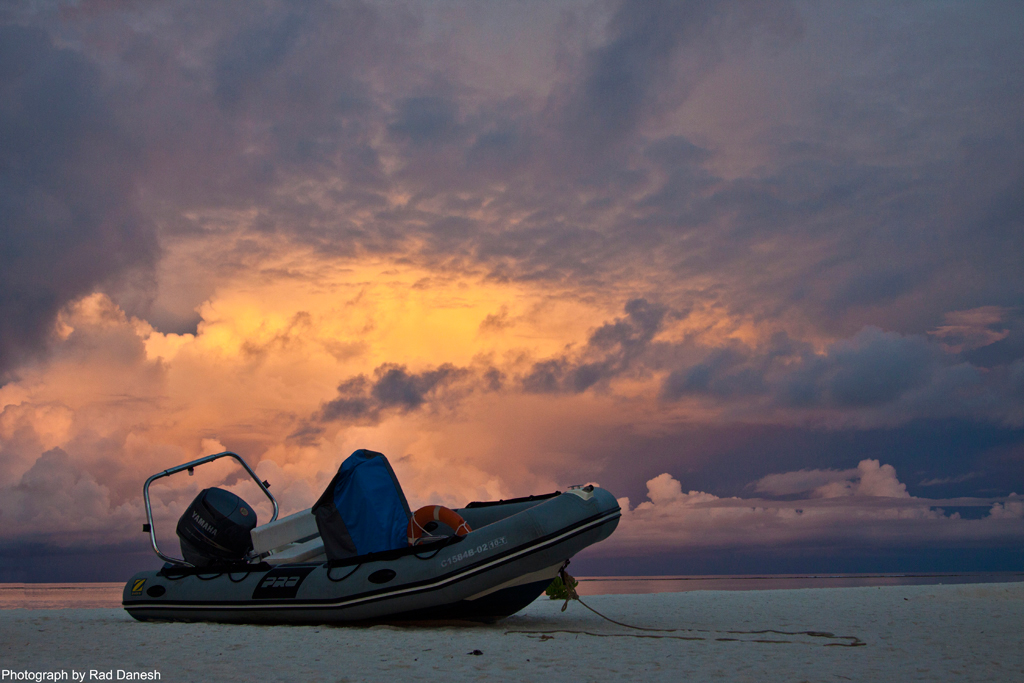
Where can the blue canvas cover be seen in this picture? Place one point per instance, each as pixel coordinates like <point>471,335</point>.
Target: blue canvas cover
<point>363,510</point>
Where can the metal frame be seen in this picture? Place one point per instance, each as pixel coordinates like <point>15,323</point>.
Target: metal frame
<point>189,466</point>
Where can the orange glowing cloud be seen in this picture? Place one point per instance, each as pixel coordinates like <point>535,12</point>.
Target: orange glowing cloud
<point>120,399</point>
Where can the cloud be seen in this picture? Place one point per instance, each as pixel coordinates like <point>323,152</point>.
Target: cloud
<point>67,190</point>
<point>867,504</point>
<point>426,120</point>
<point>873,377</point>
<point>654,55</point>
<point>117,399</point>
<point>454,232</point>
<point>876,367</point>
<point>392,387</point>
<point>348,128</point>
<point>872,479</point>
<point>944,481</point>
<point>612,350</point>
<point>1011,509</point>
<point>117,391</point>
<point>56,502</point>
<point>973,329</point>
<point>802,481</point>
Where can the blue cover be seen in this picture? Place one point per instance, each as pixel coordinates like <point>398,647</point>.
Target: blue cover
<point>370,502</point>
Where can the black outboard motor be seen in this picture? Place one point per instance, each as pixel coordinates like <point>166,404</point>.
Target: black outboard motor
<point>215,529</point>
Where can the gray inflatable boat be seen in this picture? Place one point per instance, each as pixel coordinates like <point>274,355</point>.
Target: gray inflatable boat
<point>313,567</point>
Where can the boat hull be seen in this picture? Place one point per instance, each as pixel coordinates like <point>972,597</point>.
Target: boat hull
<point>492,572</point>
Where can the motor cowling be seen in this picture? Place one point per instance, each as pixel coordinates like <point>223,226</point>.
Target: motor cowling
<point>215,528</point>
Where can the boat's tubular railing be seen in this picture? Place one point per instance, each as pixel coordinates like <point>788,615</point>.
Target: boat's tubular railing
<point>189,466</point>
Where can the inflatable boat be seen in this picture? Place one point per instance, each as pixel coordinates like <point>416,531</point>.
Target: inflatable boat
<point>361,555</point>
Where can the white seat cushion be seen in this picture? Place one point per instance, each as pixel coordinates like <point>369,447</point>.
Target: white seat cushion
<point>297,528</point>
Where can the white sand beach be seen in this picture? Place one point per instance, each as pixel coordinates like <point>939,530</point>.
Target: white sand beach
<point>901,633</point>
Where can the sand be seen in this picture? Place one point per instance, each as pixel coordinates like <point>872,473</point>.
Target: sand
<point>903,633</point>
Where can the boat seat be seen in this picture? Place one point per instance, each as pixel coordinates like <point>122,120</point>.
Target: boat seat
<point>299,528</point>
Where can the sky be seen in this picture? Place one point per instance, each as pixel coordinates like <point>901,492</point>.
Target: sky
<point>756,268</point>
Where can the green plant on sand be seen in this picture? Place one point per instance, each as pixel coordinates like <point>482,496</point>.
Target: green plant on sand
<point>557,590</point>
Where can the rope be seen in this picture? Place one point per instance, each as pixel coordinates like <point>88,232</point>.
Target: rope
<point>605,635</point>
<point>569,582</point>
<point>570,588</point>
<point>854,640</point>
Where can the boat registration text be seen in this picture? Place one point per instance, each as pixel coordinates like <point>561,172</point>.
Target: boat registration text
<point>472,552</point>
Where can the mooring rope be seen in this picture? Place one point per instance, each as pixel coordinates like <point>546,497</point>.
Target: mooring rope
<point>570,589</point>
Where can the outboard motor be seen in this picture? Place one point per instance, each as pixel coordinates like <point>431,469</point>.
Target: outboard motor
<point>215,529</point>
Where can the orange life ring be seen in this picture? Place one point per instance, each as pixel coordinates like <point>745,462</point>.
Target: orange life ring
<point>438,513</point>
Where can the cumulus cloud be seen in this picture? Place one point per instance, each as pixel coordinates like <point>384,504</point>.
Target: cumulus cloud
<point>873,479</point>
<point>58,502</point>
<point>867,504</point>
<point>1011,509</point>
<point>869,478</point>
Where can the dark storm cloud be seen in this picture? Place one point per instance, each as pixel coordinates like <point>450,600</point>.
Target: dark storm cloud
<point>876,368</point>
<point>611,351</point>
<point>426,120</point>
<point>193,107</point>
<point>637,73</point>
<point>235,106</point>
<point>872,206</point>
<point>855,228</point>
<point>883,377</point>
<point>396,387</point>
<point>723,374</point>
<point>243,62</point>
<point>870,369</point>
<point>67,195</point>
<point>291,98</point>
<point>393,387</point>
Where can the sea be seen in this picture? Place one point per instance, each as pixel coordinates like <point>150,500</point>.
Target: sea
<point>108,595</point>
